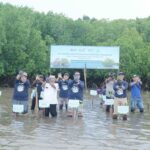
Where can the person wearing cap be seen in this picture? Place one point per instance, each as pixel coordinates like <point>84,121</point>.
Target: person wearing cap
<point>76,87</point>
<point>50,96</point>
<point>136,97</point>
<point>20,94</point>
<point>120,96</point>
<point>63,93</point>
<point>37,84</point>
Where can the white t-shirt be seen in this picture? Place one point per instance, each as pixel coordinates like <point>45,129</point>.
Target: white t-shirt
<point>50,94</point>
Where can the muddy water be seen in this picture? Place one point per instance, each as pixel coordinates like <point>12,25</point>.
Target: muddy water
<point>96,130</point>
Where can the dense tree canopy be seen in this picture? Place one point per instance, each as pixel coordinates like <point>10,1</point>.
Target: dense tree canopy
<point>26,35</point>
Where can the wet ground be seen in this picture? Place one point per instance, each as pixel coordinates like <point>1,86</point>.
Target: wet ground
<point>96,130</point>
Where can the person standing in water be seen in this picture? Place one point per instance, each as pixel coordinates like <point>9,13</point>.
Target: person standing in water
<point>37,84</point>
<point>76,87</point>
<point>120,87</point>
<point>136,97</point>
<point>63,93</point>
<point>20,94</point>
<point>50,96</point>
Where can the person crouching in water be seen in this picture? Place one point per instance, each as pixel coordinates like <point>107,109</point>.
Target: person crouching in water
<point>63,93</point>
<point>136,98</point>
<point>20,94</point>
<point>109,90</point>
<point>120,88</point>
<point>37,84</point>
<point>76,88</point>
<point>50,96</point>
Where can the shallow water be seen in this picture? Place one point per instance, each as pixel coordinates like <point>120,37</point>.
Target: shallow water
<point>96,130</point>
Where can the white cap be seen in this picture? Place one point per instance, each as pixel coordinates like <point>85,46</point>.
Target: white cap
<point>25,74</point>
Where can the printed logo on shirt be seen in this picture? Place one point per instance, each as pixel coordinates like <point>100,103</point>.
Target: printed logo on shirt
<point>64,87</point>
<point>75,89</point>
<point>120,92</point>
<point>20,88</point>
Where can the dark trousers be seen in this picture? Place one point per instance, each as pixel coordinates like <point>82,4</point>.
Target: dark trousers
<point>108,107</point>
<point>52,110</point>
<point>33,103</point>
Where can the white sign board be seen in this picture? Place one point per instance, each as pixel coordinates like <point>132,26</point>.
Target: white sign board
<point>123,109</point>
<point>73,103</point>
<point>94,57</point>
<point>109,102</point>
<point>18,108</point>
<point>93,92</point>
<point>43,104</point>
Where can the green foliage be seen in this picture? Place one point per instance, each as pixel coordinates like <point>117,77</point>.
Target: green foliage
<point>26,35</point>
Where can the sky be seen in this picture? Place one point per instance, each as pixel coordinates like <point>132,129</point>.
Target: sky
<point>99,9</point>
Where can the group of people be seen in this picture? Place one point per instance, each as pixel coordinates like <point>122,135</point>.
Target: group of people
<point>47,90</point>
<point>72,90</point>
<point>116,89</point>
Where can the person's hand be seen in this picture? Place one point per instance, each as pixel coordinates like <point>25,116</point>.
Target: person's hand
<point>41,80</point>
<point>78,82</point>
<point>53,85</point>
<point>139,81</point>
<point>122,87</point>
<point>20,72</point>
<point>37,77</point>
<point>59,76</point>
<point>18,77</point>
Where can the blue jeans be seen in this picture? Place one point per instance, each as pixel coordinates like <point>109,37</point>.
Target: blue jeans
<point>137,102</point>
